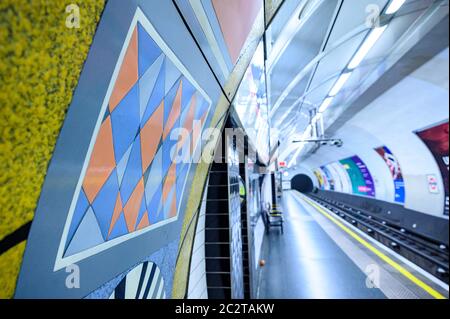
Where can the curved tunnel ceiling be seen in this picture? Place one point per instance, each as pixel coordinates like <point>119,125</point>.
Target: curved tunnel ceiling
<point>306,56</point>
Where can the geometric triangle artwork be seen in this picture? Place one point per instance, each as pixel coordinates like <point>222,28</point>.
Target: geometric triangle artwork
<point>147,83</point>
<point>130,183</point>
<point>88,234</point>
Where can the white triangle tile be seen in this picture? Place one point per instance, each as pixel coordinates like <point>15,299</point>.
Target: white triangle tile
<point>122,165</point>
<point>147,83</point>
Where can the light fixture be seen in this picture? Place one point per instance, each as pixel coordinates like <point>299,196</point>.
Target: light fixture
<point>394,6</point>
<point>339,83</point>
<point>325,104</point>
<point>365,48</point>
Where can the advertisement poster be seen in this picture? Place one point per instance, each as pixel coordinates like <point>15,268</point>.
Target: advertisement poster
<point>396,172</point>
<point>349,175</point>
<point>322,178</point>
<point>361,179</point>
<point>436,139</point>
<point>329,177</point>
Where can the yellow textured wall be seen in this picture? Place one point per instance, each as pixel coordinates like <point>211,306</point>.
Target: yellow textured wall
<point>40,62</point>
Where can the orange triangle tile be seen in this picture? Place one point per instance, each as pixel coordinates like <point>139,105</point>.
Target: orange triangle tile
<point>101,163</point>
<point>173,205</point>
<point>131,209</point>
<point>203,119</point>
<point>236,19</point>
<point>144,222</point>
<point>195,137</point>
<point>128,74</point>
<point>169,181</point>
<point>191,114</point>
<point>116,214</point>
<point>151,135</point>
<point>174,112</point>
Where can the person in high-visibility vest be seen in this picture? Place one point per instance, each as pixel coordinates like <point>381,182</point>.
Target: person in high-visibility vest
<point>242,191</point>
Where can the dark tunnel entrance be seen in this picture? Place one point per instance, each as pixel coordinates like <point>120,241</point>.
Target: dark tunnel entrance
<point>302,183</point>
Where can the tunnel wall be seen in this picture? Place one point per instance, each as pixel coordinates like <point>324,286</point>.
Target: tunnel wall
<point>109,234</point>
<point>388,121</point>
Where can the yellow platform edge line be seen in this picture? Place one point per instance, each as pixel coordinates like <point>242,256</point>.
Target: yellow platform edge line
<point>382,256</point>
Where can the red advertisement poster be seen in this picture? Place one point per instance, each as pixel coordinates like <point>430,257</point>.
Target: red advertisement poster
<point>436,139</point>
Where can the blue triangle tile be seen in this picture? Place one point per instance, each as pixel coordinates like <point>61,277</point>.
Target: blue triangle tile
<point>105,201</point>
<point>133,172</point>
<point>125,122</point>
<point>156,97</point>
<point>142,210</point>
<point>154,215</point>
<point>146,175</point>
<point>120,228</point>
<point>155,174</point>
<point>78,214</point>
<point>147,83</point>
<point>169,99</point>
<point>202,106</point>
<point>172,75</point>
<point>183,115</point>
<point>182,174</point>
<point>88,235</point>
<point>167,147</point>
<point>186,95</point>
<point>122,165</point>
<point>148,50</point>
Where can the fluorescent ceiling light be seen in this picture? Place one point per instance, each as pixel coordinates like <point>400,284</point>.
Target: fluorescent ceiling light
<point>325,104</point>
<point>394,6</point>
<point>367,45</point>
<point>339,83</point>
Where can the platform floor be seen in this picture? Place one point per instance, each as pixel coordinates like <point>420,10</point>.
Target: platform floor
<point>315,259</point>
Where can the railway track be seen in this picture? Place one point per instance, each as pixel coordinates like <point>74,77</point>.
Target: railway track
<point>427,253</point>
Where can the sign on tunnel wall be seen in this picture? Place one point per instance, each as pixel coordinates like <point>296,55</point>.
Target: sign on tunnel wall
<point>360,177</point>
<point>349,175</point>
<point>396,172</point>
<point>436,139</point>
